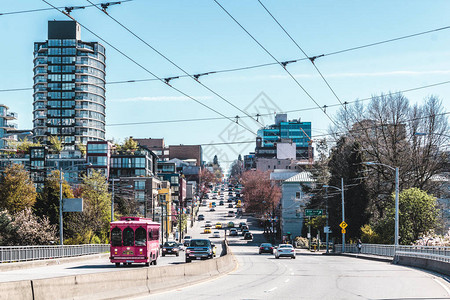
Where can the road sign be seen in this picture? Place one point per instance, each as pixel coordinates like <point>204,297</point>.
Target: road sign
<point>343,225</point>
<point>313,212</point>
<point>343,230</point>
<point>327,229</point>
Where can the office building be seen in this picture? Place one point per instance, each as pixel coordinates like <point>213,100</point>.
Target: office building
<point>69,87</point>
<point>7,128</point>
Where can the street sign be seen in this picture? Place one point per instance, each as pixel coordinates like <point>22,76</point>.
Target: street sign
<point>343,225</point>
<point>73,205</point>
<point>327,229</point>
<point>343,230</point>
<point>313,212</point>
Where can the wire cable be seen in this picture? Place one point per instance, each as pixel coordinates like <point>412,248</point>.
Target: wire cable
<point>148,71</point>
<point>173,63</point>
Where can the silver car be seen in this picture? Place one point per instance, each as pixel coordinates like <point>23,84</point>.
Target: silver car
<point>285,250</point>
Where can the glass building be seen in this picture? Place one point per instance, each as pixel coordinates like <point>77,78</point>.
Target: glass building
<point>69,87</point>
<point>7,128</point>
<point>295,130</point>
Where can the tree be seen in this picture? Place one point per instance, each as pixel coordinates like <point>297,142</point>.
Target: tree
<point>346,162</point>
<point>56,143</point>
<point>17,191</point>
<point>417,215</point>
<point>25,229</point>
<point>129,145</point>
<point>24,145</point>
<point>47,203</point>
<point>91,225</point>
<point>236,168</point>
<point>260,195</point>
<point>215,160</point>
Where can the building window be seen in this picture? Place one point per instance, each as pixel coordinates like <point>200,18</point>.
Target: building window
<point>97,160</point>
<point>174,180</point>
<point>298,195</point>
<point>139,196</point>
<point>139,185</point>
<point>97,148</point>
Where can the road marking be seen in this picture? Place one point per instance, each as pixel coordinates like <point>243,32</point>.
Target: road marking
<point>287,280</point>
<point>292,273</point>
<point>271,290</point>
<point>443,285</point>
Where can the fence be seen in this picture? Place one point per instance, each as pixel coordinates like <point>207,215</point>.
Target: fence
<point>27,253</point>
<point>439,253</point>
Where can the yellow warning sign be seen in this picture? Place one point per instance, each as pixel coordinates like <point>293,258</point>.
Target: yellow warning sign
<point>343,230</point>
<point>343,225</point>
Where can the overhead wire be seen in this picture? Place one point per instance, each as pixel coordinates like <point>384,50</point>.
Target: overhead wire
<point>148,71</point>
<point>274,58</point>
<point>194,77</point>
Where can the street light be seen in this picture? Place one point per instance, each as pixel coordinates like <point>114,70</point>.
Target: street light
<point>396,197</point>
<point>343,209</point>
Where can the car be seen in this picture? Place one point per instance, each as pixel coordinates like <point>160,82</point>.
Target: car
<point>187,238</point>
<point>221,202</point>
<point>208,222</point>
<point>233,232</point>
<point>207,230</point>
<point>201,217</point>
<point>285,250</point>
<point>230,225</point>
<point>230,201</point>
<point>208,226</point>
<point>216,234</point>
<point>230,213</point>
<point>200,249</point>
<point>218,225</point>
<point>230,205</point>
<point>212,209</point>
<point>230,193</point>
<point>248,236</point>
<point>244,227</point>
<point>266,248</point>
<point>242,224</point>
<point>170,247</point>
<point>213,204</point>
<point>243,232</point>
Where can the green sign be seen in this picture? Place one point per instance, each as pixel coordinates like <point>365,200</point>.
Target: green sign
<point>313,212</point>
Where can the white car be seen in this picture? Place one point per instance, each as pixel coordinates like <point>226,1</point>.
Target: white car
<point>216,234</point>
<point>285,250</point>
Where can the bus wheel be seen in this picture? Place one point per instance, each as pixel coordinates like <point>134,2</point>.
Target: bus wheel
<point>154,262</point>
<point>147,264</point>
<point>117,264</point>
<point>129,264</point>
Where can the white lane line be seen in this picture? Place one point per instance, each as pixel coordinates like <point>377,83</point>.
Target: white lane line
<point>271,290</point>
<point>443,285</point>
<point>292,273</point>
<point>287,280</point>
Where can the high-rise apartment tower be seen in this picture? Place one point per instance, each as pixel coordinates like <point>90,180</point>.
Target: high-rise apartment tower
<point>69,87</point>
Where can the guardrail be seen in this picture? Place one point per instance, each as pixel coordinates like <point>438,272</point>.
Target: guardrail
<point>438,253</point>
<point>28,253</point>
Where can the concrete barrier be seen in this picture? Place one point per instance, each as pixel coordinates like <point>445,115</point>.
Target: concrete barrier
<point>16,290</point>
<point>423,263</point>
<point>118,284</point>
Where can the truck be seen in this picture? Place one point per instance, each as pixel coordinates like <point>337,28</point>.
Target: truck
<point>200,249</point>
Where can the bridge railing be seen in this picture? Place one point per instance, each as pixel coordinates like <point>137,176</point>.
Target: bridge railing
<point>439,253</point>
<point>27,253</point>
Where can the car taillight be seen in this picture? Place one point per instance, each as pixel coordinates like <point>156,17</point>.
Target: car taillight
<point>292,250</point>
<point>271,248</point>
<point>261,248</point>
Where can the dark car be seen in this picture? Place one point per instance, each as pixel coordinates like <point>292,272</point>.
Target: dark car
<point>244,227</point>
<point>221,202</point>
<point>244,232</point>
<point>201,217</point>
<point>266,248</point>
<point>230,205</point>
<point>199,249</point>
<point>248,236</point>
<point>170,248</point>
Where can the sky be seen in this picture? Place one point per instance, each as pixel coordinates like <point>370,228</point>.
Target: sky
<point>200,37</point>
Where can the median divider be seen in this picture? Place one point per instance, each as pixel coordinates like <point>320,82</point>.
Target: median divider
<point>118,284</point>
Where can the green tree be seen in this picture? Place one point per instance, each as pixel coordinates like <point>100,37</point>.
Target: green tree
<point>47,203</point>
<point>17,191</point>
<point>417,215</point>
<point>56,143</point>
<point>92,225</point>
<point>129,145</point>
<point>23,145</point>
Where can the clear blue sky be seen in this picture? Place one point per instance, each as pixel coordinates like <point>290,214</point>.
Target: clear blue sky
<point>200,37</point>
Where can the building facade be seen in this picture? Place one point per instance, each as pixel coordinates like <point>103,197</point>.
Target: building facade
<point>69,87</point>
<point>6,127</point>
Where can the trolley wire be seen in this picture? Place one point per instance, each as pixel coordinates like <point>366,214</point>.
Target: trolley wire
<point>194,77</point>
<point>148,71</point>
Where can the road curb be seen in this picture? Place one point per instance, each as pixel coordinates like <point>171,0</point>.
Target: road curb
<point>364,256</point>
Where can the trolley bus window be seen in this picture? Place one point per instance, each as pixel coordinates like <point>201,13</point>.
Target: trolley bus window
<point>116,237</point>
<point>128,237</point>
<point>155,234</point>
<point>141,237</point>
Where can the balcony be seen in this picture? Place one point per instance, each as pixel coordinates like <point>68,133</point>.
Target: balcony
<point>11,116</point>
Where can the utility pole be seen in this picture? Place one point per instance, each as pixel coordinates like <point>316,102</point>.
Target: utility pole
<point>327,233</point>
<point>343,213</point>
<point>61,235</point>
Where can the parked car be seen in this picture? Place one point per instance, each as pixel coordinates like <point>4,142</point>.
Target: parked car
<point>266,248</point>
<point>200,249</point>
<point>285,250</point>
<point>170,247</point>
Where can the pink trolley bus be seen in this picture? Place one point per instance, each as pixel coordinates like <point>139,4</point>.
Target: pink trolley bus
<point>134,240</point>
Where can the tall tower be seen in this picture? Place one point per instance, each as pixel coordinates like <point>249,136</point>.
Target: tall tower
<point>69,87</point>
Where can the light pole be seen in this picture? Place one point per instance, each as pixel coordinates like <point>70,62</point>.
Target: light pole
<point>112,198</point>
<point>328,229</point>
<point>343,208</point>
<point>396,197</point>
